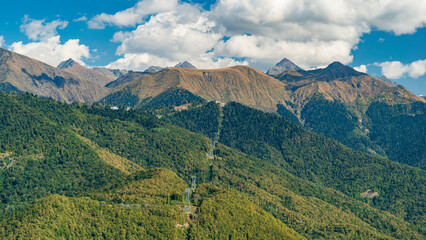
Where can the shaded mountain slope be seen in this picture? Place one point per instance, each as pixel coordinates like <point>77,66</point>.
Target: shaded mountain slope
<point>30,75</point>
<point>126,78</point>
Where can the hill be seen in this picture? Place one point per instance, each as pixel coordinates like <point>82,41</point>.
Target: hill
<point>122,142</point>
<point>77,218</point>
<point>242,84</point>
<point>310,156</point>
<point>185,64</point>
<point>29,75</point>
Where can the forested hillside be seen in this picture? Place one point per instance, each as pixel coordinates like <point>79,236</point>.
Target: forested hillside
<point>143,207</point>
<point>96,152</point>
<point>316,158</point>
<point>383,126</point>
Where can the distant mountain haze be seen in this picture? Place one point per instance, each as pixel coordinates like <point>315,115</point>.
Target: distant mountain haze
<point>75,68</point>
<point>112,74</point>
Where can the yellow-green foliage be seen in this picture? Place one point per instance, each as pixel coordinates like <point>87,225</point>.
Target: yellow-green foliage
<point>156,186</point>
<point>59,217</point>
<point>312,210</point>
<point>221,214</point>
<point>228,214</point>
<point>121,163</point>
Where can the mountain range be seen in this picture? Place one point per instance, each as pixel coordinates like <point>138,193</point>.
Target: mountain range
<point>241,84</point>
<point>25,74</point>
<point>292,154</point>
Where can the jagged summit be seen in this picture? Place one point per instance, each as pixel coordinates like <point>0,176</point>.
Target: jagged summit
<point>67,64</point>
<point>185,65</point>
<point>153,69</point>
<point>284,65</point>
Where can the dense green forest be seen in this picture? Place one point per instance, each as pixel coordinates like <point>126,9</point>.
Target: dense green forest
<point>400,130</point>
<point>105,149</point>
<point>140,207</point>
<point>333,119</point>
<point>321,160</point>
<point>393,130</point>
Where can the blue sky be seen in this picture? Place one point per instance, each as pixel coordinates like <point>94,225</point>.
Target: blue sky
<point>383,38</point>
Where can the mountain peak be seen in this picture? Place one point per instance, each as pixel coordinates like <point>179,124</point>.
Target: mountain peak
<point>336,64</point>
<point>284,65</point>
<point>153,69</point>
<point>67,64</point>
<point>185,65</point>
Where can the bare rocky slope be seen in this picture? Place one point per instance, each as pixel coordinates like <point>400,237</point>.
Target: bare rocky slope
<point>241,84</point>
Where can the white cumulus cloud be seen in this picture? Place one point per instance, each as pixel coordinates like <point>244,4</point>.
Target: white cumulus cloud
<point>51,50</point>
<point>417,68</point>
<point>265,51</point>
<point>361,68</point>
<point>338,24</point>
<point>133,15</point>
<point>40,29</point>
<point>312,33</point>
<point>81,19</point>
<point>46,45</point>
<point>168,38</point>
<point>396,69</point>
<point>1,41</point>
